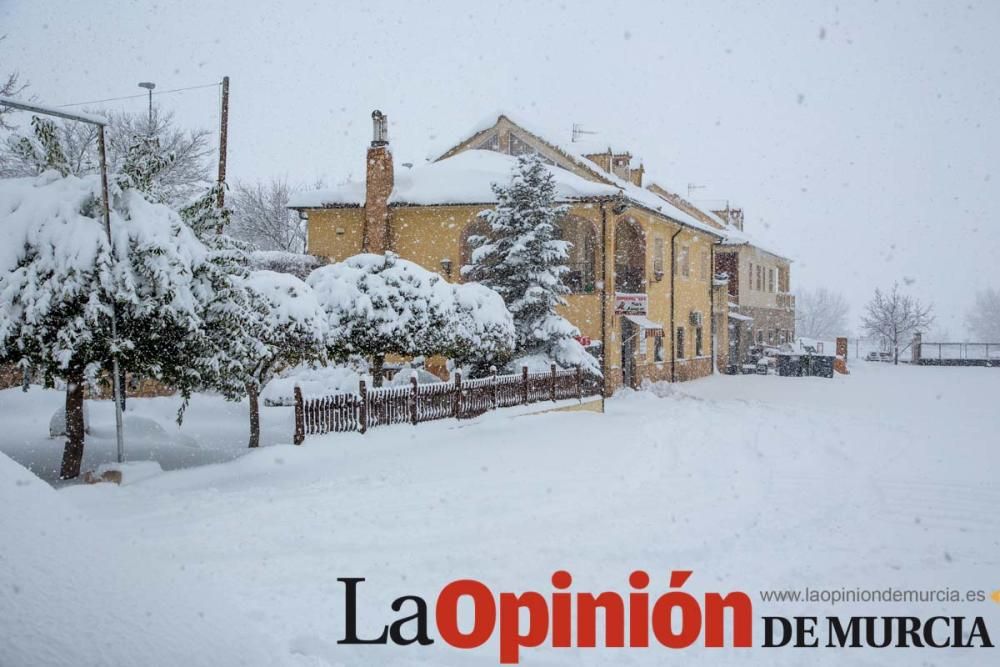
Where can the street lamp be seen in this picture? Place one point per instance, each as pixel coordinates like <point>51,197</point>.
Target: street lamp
<point>149,85</point>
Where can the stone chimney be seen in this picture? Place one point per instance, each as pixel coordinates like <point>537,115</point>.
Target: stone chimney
<point>619,164</point>
<point>378,186</point>
<point>733,216</point>
<point>636,175</point>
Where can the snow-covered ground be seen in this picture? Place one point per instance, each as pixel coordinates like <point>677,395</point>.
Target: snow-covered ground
<point>883,478</point>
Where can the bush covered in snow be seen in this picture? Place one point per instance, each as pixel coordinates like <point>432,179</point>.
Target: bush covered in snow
<point>381,304</point>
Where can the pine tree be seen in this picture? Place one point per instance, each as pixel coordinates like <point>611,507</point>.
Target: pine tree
<point>524,261</point>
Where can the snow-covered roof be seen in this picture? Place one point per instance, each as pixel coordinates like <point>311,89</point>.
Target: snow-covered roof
<point>733,236</point>
<point>574,153</point>
<point>465,178</point>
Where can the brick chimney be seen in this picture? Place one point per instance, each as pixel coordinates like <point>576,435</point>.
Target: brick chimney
<point>378,187</point>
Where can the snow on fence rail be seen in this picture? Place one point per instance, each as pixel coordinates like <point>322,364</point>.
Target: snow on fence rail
<point>368,408</point>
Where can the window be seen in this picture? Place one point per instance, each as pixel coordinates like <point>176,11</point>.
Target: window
<point>704,265</point>
<point>583,240</point>
<point>698,345</point>
<point>760,336</point>
<point>680,343</point>
<point>760,278</point>
<point>658,348</point>
<point>770,280</point>
<point>750,283</point>
<point>683,262</point>
<point>658,257</point>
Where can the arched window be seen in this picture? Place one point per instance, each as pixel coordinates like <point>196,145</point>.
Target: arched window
<point>581,261</point>
<point>630,257</point>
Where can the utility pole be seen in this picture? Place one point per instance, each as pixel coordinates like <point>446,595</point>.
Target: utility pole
<point>223,141</point>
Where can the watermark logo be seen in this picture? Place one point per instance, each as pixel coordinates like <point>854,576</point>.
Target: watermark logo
<point>666,616</point>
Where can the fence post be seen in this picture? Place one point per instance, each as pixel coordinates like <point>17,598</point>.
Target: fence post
<point>457,400</point>
<point>413,398</point>
<point>300,418</point>
<point>493,381</point>
<point>579,383</point>
<point>552,383</point>
<point>363,407</point>
<point>524,383</point>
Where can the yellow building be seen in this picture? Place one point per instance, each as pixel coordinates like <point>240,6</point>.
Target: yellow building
<point>762,307</point>
<point>640,268</point>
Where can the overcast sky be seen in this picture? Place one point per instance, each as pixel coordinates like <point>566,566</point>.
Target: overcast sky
<point>861,138</point>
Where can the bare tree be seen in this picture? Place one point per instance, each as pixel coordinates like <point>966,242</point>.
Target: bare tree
<point>261,216</point>
<point>984,318</point>
<point>187,174</point>
<point>893,317</point>
<point>820,313</point>
<point>11,85</point>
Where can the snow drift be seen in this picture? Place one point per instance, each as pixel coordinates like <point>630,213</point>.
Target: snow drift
<point>67,597</point>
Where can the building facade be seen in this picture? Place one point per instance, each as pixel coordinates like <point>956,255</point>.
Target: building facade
<point>762,307</point>
<point>643,292</point>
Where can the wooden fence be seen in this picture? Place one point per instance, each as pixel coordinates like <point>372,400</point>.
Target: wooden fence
<point>413,404</point>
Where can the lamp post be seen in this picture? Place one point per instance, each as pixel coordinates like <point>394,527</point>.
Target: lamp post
<point>103,153</point>
<point>149,85</point>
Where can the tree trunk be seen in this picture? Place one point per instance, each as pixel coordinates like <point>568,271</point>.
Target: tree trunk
<point>254,415</point>
<point>73,452</point>
<point>895,354</point>
<point>378,363</point>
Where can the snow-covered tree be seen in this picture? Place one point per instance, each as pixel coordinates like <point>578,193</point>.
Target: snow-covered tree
<point>59,280</point>
<point>280,324</point>
<point>984,318</point>
<point>524,261</point>
<point>820,313</point>
<point>893,317</point>
<point>189,151</point>
<point>261,216</point>
<point>11,85</point>
<point>379,305</point>
<point>482,329</point>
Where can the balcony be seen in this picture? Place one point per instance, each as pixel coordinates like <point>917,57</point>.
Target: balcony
<point>786,300</point>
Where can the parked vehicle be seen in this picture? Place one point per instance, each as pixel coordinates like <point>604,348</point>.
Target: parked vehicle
<point>879,356</point>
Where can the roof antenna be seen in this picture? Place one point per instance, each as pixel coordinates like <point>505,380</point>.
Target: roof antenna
<point>692,187</point>
<point>578,132</point>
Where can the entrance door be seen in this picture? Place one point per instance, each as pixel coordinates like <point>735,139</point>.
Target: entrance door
<point>630,333</point>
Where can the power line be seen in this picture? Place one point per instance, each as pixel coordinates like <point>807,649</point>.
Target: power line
<point>132,97</point>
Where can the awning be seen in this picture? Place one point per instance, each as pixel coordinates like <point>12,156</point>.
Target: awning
<point>650,329</point>
<point>740,316</point>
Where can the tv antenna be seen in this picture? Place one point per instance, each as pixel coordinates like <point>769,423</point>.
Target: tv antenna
<point>578,132</point>
<point>692,187</point>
